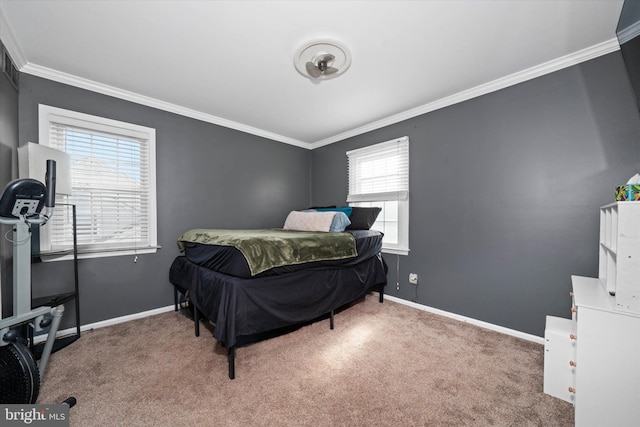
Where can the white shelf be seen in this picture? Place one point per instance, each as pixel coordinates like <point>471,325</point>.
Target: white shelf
<point>619,254</point>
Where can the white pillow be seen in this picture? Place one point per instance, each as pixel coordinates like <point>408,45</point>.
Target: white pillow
<point>309,221</point>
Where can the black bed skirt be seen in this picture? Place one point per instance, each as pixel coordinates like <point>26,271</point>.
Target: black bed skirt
<point>243,307</point>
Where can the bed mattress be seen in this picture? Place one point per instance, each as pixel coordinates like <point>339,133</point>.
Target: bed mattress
<point>230,261</point>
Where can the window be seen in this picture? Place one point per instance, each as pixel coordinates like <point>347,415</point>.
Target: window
<point>379,176</point>
<point>113,184</point>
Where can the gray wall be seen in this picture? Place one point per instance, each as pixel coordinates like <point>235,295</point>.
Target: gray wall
<point>8,162</point>
<point>207,177</point>
<point>505,190</point>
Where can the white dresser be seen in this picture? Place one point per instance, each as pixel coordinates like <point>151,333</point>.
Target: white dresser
<point>593,359</point>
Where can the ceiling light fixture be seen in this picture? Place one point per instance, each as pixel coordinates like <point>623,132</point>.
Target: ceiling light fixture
<point>322,59</point>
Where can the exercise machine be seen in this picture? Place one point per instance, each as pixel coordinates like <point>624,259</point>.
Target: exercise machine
<point>21,206</point>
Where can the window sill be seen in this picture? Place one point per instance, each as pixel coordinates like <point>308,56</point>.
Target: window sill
<point>96,253</point>
<point>395,251</point>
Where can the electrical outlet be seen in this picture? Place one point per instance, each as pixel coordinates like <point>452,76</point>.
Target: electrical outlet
<point>413,278</point>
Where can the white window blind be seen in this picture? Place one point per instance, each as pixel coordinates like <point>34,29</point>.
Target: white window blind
<point>113,184</point>
<point>379,176</point>
<point>379,172</point>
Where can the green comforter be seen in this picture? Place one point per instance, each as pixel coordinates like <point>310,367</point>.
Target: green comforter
<point>265,249</point>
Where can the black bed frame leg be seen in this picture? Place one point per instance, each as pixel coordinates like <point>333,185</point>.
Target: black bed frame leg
<point>381,293</point>
<point>196,320</point>
<point>331,320</point>
<point>231,356</point>
<point>175,299</point>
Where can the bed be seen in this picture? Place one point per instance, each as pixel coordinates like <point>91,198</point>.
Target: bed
<point>248,283</point>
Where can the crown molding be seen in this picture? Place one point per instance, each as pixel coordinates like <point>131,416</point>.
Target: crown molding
<point>483,89</point>
<point>10,42</point>
<point>628,33</point>
<point>69,79</point>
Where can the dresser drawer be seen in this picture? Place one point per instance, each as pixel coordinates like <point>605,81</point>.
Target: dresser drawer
<point>559,358</point>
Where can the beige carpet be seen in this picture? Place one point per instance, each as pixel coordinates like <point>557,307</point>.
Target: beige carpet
<point>383,365</point>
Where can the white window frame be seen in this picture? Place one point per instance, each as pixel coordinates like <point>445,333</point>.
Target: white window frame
<point>399,194</point>
<point>48,115</point>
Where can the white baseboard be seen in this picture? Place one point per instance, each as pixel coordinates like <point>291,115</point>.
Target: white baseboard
<point>108,322</point>
<point>480,323</point>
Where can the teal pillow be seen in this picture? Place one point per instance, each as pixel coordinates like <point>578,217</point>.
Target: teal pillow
<point>347,210</point>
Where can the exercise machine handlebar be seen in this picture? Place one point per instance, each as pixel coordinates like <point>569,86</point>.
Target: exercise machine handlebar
<point>50,182</point>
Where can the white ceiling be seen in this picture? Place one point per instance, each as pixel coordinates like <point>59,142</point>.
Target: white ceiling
<point>231,62</point>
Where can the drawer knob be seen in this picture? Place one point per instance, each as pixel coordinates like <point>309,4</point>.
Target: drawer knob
<point>571,293</point>
<point>574,310</point>
<point>572,390</point>
<point>573,336</point>
<point>572,363</point>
